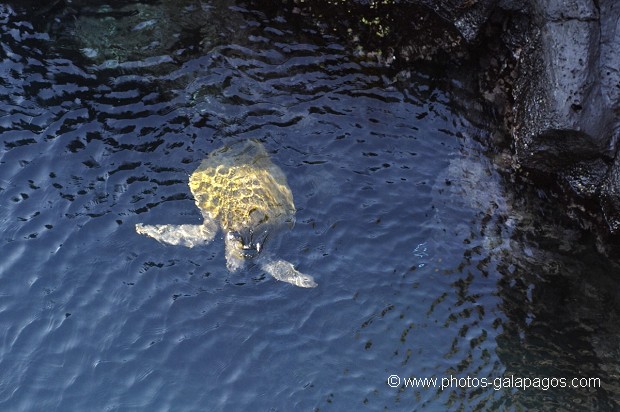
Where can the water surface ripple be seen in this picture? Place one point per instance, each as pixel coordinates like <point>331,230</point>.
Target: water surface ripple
<point>429,263</point>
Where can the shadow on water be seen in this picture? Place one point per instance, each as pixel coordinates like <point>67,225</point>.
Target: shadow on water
<point>432,259</point>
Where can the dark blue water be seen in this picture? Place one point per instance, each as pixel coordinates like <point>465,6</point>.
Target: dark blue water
<point>430,261</point>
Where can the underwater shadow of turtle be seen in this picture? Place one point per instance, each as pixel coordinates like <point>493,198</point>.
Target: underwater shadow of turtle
<point>238,189</point>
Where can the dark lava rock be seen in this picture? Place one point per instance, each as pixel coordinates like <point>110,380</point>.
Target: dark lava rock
<point>566,99</point>
<point>559,112</point>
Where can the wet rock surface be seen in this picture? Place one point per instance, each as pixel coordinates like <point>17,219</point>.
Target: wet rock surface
<point>566,100</point>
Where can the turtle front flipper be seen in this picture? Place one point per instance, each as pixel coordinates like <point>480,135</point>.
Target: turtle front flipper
<point>285,272</point>
<point>185,235</point>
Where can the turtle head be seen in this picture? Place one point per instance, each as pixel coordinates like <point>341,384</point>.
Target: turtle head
<point>248,243</point>
<point>235,256</point>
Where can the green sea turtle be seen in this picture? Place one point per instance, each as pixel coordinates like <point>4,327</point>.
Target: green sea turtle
<point>238,188</point>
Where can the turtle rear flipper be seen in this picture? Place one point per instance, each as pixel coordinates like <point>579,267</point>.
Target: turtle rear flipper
<point>285,272</point>
<point>185,235</point>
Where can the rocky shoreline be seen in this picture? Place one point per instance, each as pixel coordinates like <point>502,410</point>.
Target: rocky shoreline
<point>549,68</point>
